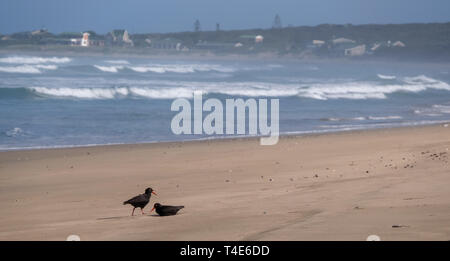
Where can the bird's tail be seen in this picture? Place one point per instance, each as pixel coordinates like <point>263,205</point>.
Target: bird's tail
<point>126,202</point>
<point>180,207</point>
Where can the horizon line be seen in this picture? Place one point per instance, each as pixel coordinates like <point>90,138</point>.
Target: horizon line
<point>229,30</point>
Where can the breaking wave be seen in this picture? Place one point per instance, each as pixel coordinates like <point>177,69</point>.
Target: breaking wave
<point>434,111</point>
<point>167,89</point>
<point>30,64</point>
<point>33,60</point>
<point>371,90</point>
<point>111,69</point>
<point>165,68</point>
<point>386,77</point>
<point>183,91</point>
<point>82,93</point>
<point>33,69</point>
<point>118,61</point>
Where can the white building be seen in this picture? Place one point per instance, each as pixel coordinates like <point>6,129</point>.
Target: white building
<point>85,40</point>
<point>259,39</point>
<point>398,44</point>
<point>375,47</point>
<point>356,51</point>
<point>318,42</point>
<point>75,41</point>
<point>126,38</point>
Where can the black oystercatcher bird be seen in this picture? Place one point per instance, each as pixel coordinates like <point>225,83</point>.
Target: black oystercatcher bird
<point>140,201</point>
<point>166,210</point>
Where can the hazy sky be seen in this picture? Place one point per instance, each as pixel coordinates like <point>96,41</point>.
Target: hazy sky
<point>179,15</point>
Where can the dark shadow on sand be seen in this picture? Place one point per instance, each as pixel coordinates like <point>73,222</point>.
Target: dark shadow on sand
<point>156,215</point>
<point>107,218</point>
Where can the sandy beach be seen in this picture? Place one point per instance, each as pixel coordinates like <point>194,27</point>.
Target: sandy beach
<point>393,183</point>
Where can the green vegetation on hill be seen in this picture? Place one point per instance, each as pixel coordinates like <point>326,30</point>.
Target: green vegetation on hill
<point>420,40</point>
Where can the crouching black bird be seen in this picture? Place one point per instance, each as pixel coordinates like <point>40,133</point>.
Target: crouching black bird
<point>166,210</point>
<point>140,201</point>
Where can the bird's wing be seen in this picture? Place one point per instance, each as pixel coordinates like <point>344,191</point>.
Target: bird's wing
<point>140,198</point>
<point>175,209</point>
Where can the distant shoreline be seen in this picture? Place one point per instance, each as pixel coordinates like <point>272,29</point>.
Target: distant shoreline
<point>227,138</point>
<point>396,42</point>
<point>207,56</point>
<point>145,53</point>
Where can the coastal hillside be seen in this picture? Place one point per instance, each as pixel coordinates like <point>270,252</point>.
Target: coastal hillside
<point>398,41</point>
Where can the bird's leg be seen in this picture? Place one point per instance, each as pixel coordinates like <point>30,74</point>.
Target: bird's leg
<point>132,213</point>
<point>142,211</point>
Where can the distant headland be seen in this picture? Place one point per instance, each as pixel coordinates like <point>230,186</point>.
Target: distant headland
<point>394,41</point>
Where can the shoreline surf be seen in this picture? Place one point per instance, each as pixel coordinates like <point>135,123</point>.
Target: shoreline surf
<point>284,135</point>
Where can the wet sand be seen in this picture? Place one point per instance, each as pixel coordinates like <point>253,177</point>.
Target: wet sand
<point>394,183</point>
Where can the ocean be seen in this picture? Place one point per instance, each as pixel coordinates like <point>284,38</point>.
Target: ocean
<point>62,101</point>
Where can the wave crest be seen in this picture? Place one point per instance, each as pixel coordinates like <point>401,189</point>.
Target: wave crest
<point>31,69</point>
<point>117,61</point>
<point>164,68</point>
<point>34,60</point>
<point>82,93</point>
<point>111,69</point>
<point>386,77</point>
<point>168,89</point>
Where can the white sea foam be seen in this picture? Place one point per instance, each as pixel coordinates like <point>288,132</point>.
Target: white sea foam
<point>33,69</point>
<point>354,90</point>
<point>111,93</point>
<point>390,117</point>
<point>118,61</point>
<point>144,69</point>
<point>370,90</point>
<point>420,79</point>
<point>442,108</point>
<point>14,132</point>
<point>168,89</point>
<point>434,110</point>
<point>258,92</point>
<point>380,125</point>
<point>46,67</point>
<point>426,82</point>
<point>33,60</point>
<point>82,93</point>
<point>180,68</point>
<point>362,118</point>
<point>20,69</point>
<point>164,93</point>
<point>111,69</point>
<point>386,77</point>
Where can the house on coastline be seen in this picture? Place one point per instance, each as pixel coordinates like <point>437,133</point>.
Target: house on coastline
<point>355,51</point>
<point>252,38</point>
<point>86,41</point>
<point>346,47</point>
<point>119,37</point>
<point>165,44</point>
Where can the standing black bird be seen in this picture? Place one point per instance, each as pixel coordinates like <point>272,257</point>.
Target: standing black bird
<point>166,210</point>
<point>140,201</point>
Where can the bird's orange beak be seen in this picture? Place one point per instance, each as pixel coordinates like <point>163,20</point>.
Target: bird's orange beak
<point>153,192</point>
<point>152,209</point>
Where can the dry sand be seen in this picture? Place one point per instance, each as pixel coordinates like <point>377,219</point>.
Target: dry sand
<point>394,183</point>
